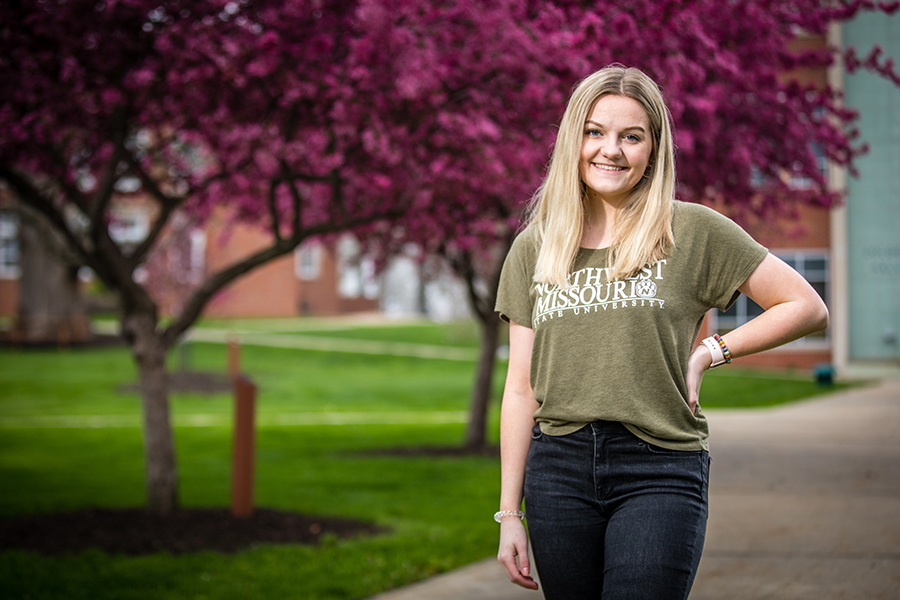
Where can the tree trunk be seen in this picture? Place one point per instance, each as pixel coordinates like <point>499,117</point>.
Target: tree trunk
<point>483,299</point>
<point>159,449</point>
<point>481,390</point>
<point>50,306</point>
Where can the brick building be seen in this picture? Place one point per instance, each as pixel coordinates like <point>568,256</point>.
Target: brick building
<point>10,269</point>
<point>851,254</point>
<point>315,280</point>
<point>805,244</point>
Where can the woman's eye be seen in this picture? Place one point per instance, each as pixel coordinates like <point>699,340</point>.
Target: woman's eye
<point>592,133</point>
<point>632,138</point>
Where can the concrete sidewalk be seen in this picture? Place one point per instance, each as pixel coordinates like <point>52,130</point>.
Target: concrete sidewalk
<point>804,504</point>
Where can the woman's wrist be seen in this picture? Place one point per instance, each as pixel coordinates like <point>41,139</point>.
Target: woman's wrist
<point>701,358</point>
<point>510,505</point>
<point>718,351</point>
<point>499,515</point>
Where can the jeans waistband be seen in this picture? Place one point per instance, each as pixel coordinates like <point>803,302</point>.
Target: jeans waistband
<point>607,427</point>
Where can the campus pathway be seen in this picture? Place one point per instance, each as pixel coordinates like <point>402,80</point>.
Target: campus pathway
<point>804,504</point>
<point>289,333</point>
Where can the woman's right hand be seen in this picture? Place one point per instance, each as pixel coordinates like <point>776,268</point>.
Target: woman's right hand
<point>698,363</point>
<point>513,554</point>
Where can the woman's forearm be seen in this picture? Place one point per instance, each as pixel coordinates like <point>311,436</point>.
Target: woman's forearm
<point>516,422</point>
<point>516,417</point>
<point>792,309</point>
<point>778,325</point>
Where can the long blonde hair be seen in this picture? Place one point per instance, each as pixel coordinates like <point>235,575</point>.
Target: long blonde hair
<point>644,222</point>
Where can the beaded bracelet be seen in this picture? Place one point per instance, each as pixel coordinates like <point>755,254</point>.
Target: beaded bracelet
<point>724,347</point>
<point>508,513</point>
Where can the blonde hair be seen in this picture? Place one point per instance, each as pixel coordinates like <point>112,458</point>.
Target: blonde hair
<point>643,223</point>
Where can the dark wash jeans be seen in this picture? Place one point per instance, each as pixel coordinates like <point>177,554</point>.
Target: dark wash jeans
<point>613,517</point>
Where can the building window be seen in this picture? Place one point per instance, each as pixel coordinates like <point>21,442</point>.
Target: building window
<point>307,261</point>
<point>357,279</point>
<point>10,265</point>
<point>813,265</point>
<point>802,182</point>
<point>129,225</point>
<point>356,272</point>
<point>198,255</point>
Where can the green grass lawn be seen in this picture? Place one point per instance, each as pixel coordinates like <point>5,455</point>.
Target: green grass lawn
<point>438,510</point>
<point>463,334</point>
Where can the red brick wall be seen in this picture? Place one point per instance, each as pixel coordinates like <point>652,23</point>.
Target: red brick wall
<point>9,297</point>
<point>785,359</point>
<point>320,296</point>
<point>272,290</point>
<point>267,291</point>
<point>810,229</point>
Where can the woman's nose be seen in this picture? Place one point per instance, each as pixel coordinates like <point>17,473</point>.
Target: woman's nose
<point>611,148</point>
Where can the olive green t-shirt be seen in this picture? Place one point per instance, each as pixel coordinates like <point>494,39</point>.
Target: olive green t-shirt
<point>618,350</point>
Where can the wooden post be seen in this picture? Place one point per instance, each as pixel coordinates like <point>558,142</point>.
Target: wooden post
<point>63,334</point>
<point>17,335</point>
<point>234,359</point>
<point>242,466</point>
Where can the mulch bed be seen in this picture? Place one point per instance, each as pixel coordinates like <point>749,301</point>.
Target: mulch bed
<point>134,531</point>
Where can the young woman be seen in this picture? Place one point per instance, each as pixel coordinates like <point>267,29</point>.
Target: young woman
<point>605,291</point>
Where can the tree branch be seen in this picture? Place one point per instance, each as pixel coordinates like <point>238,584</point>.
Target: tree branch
<point>479,304</point>
<point>138,255</point>
<point>105,259</point>
<point>874,62</point>
<point>273,209</point>
<point>105,189</point>
<point>149,184</point>
<point>31,196</point>
<point>337,186</point>
<point>220,279</point>
<point>295,195</point>
<point>72,193</point>
<point>167,205</point>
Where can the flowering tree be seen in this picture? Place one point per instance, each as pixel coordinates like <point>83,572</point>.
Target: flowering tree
<point>404,120</point>
<point>190,105</point>
<point>746,130</point>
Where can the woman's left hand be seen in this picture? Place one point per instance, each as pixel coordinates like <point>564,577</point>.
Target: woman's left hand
<point>698,363</point>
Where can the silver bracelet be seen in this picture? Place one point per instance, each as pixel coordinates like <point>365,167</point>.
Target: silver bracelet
<point>508,513</point>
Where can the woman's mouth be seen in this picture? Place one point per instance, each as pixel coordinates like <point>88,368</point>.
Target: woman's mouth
<point>611,168</point>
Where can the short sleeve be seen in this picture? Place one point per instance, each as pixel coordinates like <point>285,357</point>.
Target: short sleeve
<point>730,256</point>
<point>514,301</point>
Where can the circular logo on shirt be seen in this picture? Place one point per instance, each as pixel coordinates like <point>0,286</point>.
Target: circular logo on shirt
<point>645,288</point>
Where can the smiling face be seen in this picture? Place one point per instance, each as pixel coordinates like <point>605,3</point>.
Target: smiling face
<point>615,149</point>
